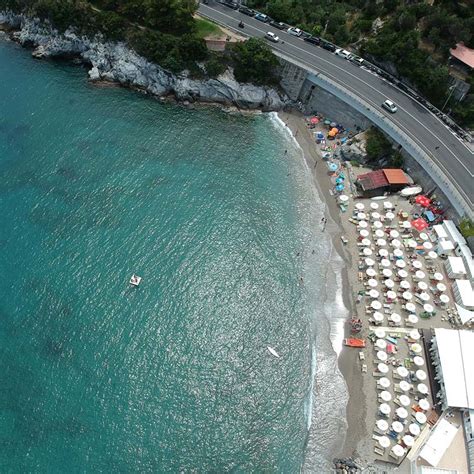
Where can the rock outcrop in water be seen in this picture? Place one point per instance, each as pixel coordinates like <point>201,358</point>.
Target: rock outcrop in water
<point>117,62</point>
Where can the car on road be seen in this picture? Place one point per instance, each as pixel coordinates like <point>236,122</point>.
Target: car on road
<point>390,106</point>
<point>343,53</point>
<point>294,31</point>
<point>246,11</point>
<point>357,60</point>
<point>262,17</point>
<point>313,40</point>
<point>328,46</point>
<point>272,37</point>
<point>279,25</point>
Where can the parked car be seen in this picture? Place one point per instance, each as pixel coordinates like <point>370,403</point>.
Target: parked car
<point>313,40</point>
<point>246,11</point>
<point>279,25</point>
<point>262,17</point>
<point>343,53</point>
<point>390,106</point>
<point>357,60</point>
<point>294,31</point>
<point>272,37</point>
<point>305,34</point>
<point>230,4</point>
<point>328,46</point>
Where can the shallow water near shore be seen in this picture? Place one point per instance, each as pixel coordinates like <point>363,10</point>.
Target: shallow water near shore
<point>222,225</point>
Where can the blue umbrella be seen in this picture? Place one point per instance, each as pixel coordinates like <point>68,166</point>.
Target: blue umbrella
<point>340,187</point>
<point>339,180</point>
<point>332,166</point>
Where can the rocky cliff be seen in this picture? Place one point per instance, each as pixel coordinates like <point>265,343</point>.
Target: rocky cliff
<point>117,62</point>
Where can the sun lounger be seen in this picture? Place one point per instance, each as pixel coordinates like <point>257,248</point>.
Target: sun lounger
<point>380,452</point>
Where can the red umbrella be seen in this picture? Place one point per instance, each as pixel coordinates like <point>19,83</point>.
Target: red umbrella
<point>419,224</point>
<point>314,120</point>
<point>422,201</point>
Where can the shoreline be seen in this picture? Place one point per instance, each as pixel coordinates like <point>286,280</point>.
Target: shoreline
<point>346,360</point>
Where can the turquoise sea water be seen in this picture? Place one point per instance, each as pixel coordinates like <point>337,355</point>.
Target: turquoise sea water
<point>100,183</point>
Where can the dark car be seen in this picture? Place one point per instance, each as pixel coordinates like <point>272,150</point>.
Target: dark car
<point>278,24</point>
<point>328,46</point>
<point>313,40</point>
<point>229,4</point>
<point>305,34</point>
<point>246,11</point>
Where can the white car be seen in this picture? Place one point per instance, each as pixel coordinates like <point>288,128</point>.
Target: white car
<point>272,37</point>
<point>343,53</point>
<point>294,31</point>
<point>390,106</point>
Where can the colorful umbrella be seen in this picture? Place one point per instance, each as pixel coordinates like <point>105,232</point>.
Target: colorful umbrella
<point>423,201</point>
<point>419,224</point>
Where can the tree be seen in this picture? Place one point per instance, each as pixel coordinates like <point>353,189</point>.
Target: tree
<point>407,21</point>
<point>377,146</point>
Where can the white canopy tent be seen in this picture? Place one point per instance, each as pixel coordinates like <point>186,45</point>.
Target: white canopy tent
<point>455,267</point>
<point>464,314</point>
<point>453,232</point>
<point>438,442</point>
<point>463,293</point>
<point>444,247</point>
<point>440,232</point>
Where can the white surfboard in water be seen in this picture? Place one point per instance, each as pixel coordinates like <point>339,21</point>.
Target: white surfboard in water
<point>273,351</point>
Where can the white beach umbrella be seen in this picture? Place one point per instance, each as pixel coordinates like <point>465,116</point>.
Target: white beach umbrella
<point>375,216</point>
<point>405,386</point>
<point>387,205</point>
<point>343,198</point>
<point>372,282</point>
<point>379,233</point>
<point>385,409</point>
<point>371,272</point>
<point>412,318</point>
<point>419,275</point>
<point>416,348</point>
<point>390,216</point>
<point>384,382</point>
<point>374,294</point>
<point>364,233</point>
<point>389,283</point>
<point>385,263</point>
<point>378,317</point>
<point>384,441</point>
<point>382,425</point>
<point>402,273</point>
<point>405,284</point>
<point>428,308</point>
<point>408,441</point>
<point>376,304</point>
<point>424,236</point>
<point>378,224</point>
<point>420,375</point>
<point>427,245</point>
<point>438,276</point>
<point>418,361</point>
<point>381,242</point>
<point>385,396</point>
<point>367,252</point>
<point>417,264</point>
<point>391,295</point>
<point>414,334</point>
<point>363,224</point>
<point>400,263</point>
<point>386,272</point>
<point>407,295</point>
<point>369,262</point>
<point>406,224</point>
<point>402,371</point>
<point>379,332</point>
<point>398,253</point>
<point>414,429</point>
<point>362,216</point>
<point>411,244</point>
<point>381,344</point>
<point>374,206</point>
<point>404,400</point>
<point>396,243</point>
<point>366,242</point>
<point>444,299</point>
<point>441,287</point>
<point>401,413</point>
<point>394,234</point>
<point>424,296</point>
<point>422,285</point>
<point>395,318</point>
<point>382,356</point>
<point>383,252</point>
<point>424,404</point>
<point>420,417</point>
<point>411,308</point>
<point>432,255</point>
<point>359,206</point>
<point>398,450</point>
<point>382,368</point>
<point>397,427</point>
<point>422,388</point>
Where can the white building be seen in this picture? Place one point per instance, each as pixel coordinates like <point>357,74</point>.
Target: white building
<point>455,267</point>
<point>453,233</point>
<point>463,293</point>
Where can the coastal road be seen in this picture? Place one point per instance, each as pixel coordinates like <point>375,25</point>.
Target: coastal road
<point>451,154</point>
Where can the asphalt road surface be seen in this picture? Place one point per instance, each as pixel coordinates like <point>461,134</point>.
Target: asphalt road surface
<point>451,154</point>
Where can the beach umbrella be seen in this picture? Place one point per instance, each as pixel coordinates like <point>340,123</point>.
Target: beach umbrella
<point>407,295</point>
<point>327,122</point>
<point>382,425</point>
<point>419,224</point>
<point>418,361</point>
<point>391,295</point>
<point>394,234</point>
<point>387,205</point>
<point>427,245</point>
<point>402,273</point>
<point>378,225</point>
<point>382,356</point>
<point>423,201</point>
<point>444,299</point>
<point>383,253</point>
<point>385,263</point>
<point>395,318</point>
<point>371,272</point>
<point>374,206</point>
<point>406,225</point>
<point>422,388</point>
<point>422,285</point>
<point>414,429</point>
<point>339,187</point>
<point>423,236</point>
<point>369,262</point>
<point>366,242</point>
<point>367,252</point>
<point>379,233</point>
<point>410,307</point>
<point>404,400</point>
<point>389,283</point>
<point>339,180</point>
<point>382,368</point>
<point>362,216</point>
<point>398,450</point>
<point>384,441</point>
<point>410,243</point>
<point>381,344</point>
<point>414,334</point>
<point>314,120</point>
<point>373,283</point>
<point>364,233</point>
<point>359,206</point>
<point>420,375</point>
<point>376,305</point>
<point>424,404</point>
<point>400,263</point>
<point>385,409</point>
<point>332,166</point>
<point>374,294</point>
<point>378,317</point>
<point>438,276</point>
<point>428,308</point>
<point>398,253</point>
<point>417,264</point>
<point>381,242</point>
<point>412,318</point>
<point>420,417</point>
<point>390,216</point>
<point>375,216</point>
<point>386,272</point>
<point>416,348</point>
<point>432,255</point>
<point>402,371</point>
<point>419,275</point>
<point>405,284</point>
<point>384,382</point>
<point>396,243</point>
<point>379,332</point>
<point>441,287</point>
<point>401,412</point>
<point>405,386</point>
<point>363,224</point>
<point>424,296</point>
<point>385,396</point>
<point>397,427</point>
<point>408,441</point>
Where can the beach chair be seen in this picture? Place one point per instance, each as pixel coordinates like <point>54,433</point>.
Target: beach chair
<point>379,451</point>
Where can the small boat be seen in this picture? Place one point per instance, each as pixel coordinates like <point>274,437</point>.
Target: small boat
<point>354,342</point>
<point>135,280</point>
<point>273,351</point>
<point>344,239</point>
